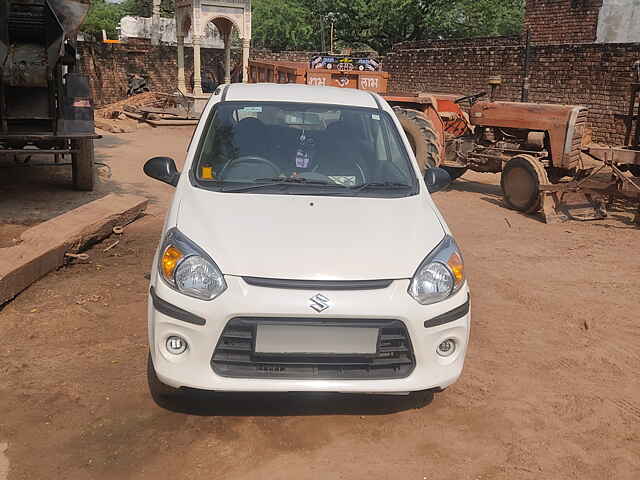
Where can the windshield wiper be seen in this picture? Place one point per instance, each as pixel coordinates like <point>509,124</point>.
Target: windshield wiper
<point>277,181</point>
<point>380,185</point>
<point>292,180</point>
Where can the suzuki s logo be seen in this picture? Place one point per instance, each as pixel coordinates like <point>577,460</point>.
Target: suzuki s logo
<point>320,303</point>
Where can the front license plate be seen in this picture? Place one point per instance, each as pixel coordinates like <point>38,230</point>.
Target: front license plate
<point>290,339</point>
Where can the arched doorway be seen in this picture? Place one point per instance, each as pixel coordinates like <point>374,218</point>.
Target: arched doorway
<point>196,14</point>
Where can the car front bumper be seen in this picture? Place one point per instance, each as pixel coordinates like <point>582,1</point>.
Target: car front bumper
<point>193,368</point>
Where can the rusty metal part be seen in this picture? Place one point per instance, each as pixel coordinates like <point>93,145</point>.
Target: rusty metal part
<point>494,82</point>
<point>564,124</point>
<point>557,205</point>
<point>632,119</point>
<point>25,66</point>
<point>615,154</point>
<point>71,13</point>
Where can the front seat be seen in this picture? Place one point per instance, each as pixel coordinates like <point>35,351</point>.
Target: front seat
<point>251,138</point>
<point>340,156</point>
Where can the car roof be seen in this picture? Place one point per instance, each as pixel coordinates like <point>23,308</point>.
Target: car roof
<point>291,92</point>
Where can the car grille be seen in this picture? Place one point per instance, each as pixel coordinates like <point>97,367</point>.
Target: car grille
<point>235,357</point>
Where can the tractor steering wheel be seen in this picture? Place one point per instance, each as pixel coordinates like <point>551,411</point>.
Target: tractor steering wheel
<point>471,98</point>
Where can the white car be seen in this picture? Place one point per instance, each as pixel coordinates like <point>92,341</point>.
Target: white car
<point>303,252</point>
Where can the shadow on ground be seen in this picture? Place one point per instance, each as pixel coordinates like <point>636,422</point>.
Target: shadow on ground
<point>33,190</point>
<point>200,403</point>
<point>463,185</point>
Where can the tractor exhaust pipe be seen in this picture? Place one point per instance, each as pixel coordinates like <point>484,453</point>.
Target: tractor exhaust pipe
<point>525,85</point>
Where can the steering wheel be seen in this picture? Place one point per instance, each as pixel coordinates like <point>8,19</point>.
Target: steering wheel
<point>250,159</point>
<point>471,98</point>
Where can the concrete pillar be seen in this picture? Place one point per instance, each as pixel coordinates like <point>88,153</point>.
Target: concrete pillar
<point>246,43</point>
<point>197,69</point>
<point>227,57</point>
<point>156,34</point>
<point>182,86</point>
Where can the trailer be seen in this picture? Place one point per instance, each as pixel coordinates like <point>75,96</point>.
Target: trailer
<point>45,103</point>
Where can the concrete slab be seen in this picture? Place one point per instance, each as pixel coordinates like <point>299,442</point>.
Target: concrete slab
<point>43,246</point>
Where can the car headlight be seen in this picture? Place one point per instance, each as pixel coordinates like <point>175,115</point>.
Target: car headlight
<point>186,268</point>
<point>440,275</point>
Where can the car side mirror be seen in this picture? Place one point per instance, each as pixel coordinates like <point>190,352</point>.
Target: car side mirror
<point>163,169</point>
<point>436,179</point>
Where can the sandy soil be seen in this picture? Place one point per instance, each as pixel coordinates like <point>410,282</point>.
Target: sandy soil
<point>550,388</point>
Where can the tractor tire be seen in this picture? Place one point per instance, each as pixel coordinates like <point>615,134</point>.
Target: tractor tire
<point>520,181</point>
<point>82,164</point>
<point>421,135</point>
<point>635,170</point>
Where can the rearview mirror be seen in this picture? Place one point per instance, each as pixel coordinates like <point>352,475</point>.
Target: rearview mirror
<point>436,179</point>
<point>163,169</point>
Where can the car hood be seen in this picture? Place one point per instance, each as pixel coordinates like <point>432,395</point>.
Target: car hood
<point>301,237</point>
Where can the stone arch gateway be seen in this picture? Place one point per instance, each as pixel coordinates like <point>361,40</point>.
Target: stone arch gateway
<point>226,15</point>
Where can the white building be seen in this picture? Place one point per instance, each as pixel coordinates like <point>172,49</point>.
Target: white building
<point>140,27</point>
<point>619,21</point>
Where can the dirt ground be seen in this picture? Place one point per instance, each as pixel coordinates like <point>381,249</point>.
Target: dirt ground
<point>550,388</point>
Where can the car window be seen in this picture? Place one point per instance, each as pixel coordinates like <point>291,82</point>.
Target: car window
<point>251,142</point>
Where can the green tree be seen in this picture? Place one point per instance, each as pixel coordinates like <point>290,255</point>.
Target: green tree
<point>382,23</point>
<point>475,18</point>
<point>378,23</point>
<point>284,25</point>
<point>144,8</point>
<point>106,16</point>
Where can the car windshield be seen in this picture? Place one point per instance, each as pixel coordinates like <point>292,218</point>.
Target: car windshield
<point>302,148</point>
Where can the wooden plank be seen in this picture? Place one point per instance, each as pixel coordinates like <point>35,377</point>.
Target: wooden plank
<point>44,246</point>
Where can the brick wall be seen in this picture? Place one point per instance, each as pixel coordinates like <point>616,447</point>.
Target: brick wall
<point>292,56</point>
<point>459,43</point>
<point>108,67</point>
<point>593,75</point>
<point>562,21</point>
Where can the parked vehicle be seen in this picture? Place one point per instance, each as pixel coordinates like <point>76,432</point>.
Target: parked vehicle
<point>45,103</point>
<point>303,252</point>
<point>346,63</point>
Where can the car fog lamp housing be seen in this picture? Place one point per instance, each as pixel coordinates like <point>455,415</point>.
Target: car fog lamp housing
<point>176,345</point>
<point>440,275</point>
<point>446,348</point>
<point>186,268</point>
